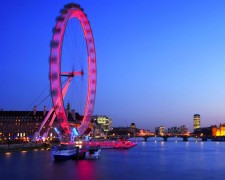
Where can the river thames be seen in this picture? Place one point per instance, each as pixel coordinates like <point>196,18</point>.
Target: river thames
<point>153,160</point>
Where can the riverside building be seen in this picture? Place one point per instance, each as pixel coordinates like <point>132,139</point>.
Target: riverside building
<point>196,121</point>
<point>21,124</point>
<point>104,121</point>
<point>218,131</point>
<point>160,130</point>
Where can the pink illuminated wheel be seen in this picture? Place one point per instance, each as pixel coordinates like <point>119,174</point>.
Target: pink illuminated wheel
<point>73,67</point>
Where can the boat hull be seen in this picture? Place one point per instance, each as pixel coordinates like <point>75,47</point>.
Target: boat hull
<point>68,153</point>
<point>93,153</point>
<point>63,157</point>
<point>125,145</point>
<point>120,144</point>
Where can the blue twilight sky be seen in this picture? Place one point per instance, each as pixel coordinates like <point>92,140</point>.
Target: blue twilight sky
<point>158,61</point>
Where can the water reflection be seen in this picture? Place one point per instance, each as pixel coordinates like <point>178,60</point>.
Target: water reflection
<point>8,154</point>
<point>85,170</point>
<point>148,160</point>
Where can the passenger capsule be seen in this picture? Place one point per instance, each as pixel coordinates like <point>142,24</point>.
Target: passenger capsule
<point>60,18</point>
<point>63,11</point>
<point>54,44</point>
<point>56,30</point>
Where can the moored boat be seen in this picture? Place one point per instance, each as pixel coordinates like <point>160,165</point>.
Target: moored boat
<point>119,144</point>
<point>124,144</point>
<point>93,153</point>
<point>103,144</point>
<point>64,152</point>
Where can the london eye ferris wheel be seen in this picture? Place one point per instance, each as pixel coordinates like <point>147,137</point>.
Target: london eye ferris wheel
<point>73,67</point>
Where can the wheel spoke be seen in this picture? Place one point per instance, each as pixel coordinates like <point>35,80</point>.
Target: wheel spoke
<point>73,73</point>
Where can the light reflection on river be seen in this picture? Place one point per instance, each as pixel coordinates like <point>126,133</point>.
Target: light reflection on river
<point>153,159</point>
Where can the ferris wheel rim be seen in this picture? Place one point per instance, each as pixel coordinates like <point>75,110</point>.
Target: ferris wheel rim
<point>71,11</point>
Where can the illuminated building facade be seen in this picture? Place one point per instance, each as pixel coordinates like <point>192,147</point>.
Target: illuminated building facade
<point>16,125</point>
<point>183,129</point>
<point>21,124</point>
<point>218,131</point>
<point>97,130</point>
<point>160,130</point>
<point>104,121</point>
<point>143,132</point>
<point>178,130</point>
<point>196,121</point>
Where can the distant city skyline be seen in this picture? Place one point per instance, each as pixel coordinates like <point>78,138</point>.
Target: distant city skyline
<point>158,62</point>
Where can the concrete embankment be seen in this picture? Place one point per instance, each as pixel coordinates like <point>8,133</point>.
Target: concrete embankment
<point>22,147</point>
